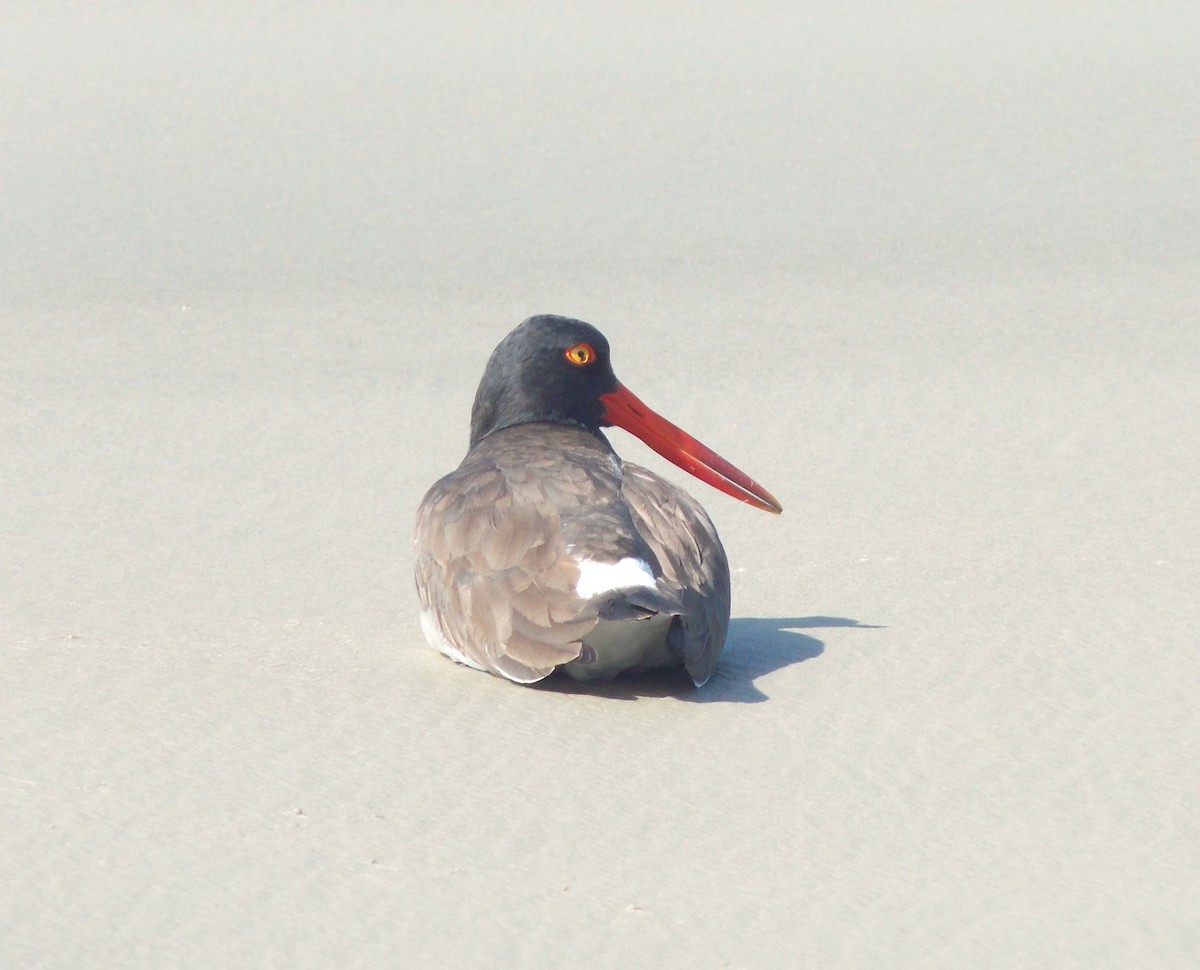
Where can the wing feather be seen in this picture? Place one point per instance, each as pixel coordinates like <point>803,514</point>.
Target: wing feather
<point>686,544</point>
<point>496,545</point>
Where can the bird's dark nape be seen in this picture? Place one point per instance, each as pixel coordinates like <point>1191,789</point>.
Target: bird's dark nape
<point>529,379</point>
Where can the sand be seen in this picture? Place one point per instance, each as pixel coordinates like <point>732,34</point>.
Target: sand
<point>931,276</point>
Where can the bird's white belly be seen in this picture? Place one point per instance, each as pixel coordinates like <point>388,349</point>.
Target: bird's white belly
<point>621,645</point>
<point>437,640</point>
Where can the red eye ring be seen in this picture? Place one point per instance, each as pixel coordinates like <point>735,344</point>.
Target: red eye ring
<point>580,355</point>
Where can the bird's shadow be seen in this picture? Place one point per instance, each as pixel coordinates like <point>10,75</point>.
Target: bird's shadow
<point>756,646</point>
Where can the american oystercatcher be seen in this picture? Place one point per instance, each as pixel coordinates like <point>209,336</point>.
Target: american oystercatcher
<point>544,551</point>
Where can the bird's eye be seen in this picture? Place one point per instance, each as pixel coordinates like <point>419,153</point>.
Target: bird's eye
<point>580,355</point>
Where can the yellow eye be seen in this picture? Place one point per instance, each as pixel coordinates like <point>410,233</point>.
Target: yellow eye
<point>580,355</point>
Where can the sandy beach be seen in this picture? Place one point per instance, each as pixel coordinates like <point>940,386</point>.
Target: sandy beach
<point>930,275</point>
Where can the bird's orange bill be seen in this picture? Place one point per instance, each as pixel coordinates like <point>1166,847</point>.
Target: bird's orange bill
<point>623,409</point>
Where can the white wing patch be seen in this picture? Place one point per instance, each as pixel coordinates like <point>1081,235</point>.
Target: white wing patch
<point>596,578</point>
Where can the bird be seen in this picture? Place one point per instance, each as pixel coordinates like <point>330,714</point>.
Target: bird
<point>544,551</point>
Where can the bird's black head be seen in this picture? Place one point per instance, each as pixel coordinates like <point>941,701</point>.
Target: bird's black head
<point>550,369</point>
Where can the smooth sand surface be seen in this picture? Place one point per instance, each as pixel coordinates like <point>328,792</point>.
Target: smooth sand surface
<point>933,277</point>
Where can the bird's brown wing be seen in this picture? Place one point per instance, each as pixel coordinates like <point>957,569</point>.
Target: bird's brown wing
<point>685,542</point>
<point>497,543</point>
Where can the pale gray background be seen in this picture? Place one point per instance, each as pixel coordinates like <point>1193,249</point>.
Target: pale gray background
<point>931,275</point>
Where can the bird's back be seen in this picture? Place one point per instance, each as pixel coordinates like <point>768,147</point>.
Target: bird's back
<point>541,535</point>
